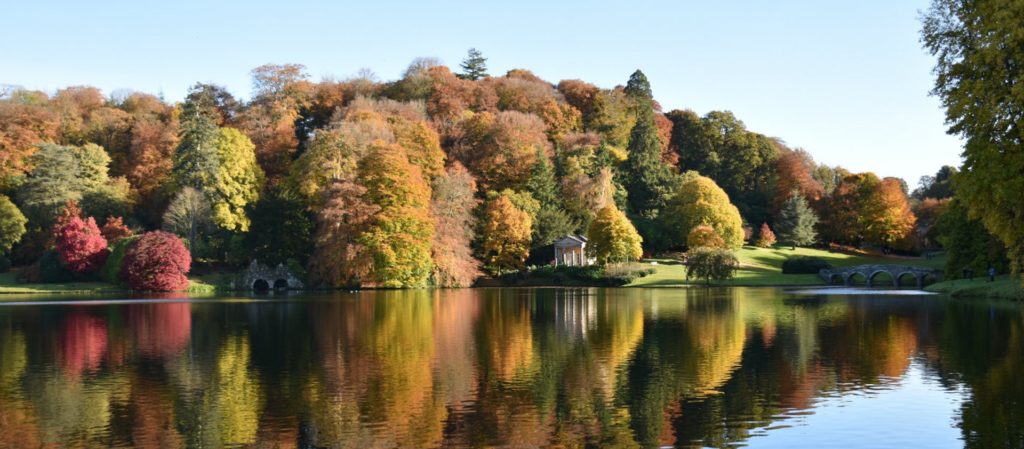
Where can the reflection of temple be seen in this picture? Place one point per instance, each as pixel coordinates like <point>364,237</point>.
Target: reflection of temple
<point>575,312</point>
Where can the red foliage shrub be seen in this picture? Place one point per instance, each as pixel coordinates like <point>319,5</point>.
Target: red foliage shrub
<point>158,261</point>
<point>115,230</point>
<point>81,247</point>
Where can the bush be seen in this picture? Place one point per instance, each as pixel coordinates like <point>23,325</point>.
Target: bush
<point>765,238</point>
<point>111,270</point>
<point>114,229</point>
<point>81,246</point>
<point>51,269</point>
<point>804,265</point>
<point>711,264</point>
<point>157,261</point>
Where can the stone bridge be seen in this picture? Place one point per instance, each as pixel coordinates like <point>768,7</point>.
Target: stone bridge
<point>868,272</point>
<point>260,277</point>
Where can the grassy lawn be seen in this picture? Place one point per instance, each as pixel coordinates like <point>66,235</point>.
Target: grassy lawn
<point>10,285</point>
<point>205,284</point>
<point>763,267</point>
<point>1005,287</point>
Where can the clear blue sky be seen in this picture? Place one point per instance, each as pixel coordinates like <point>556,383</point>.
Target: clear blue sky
<point>848,81</point>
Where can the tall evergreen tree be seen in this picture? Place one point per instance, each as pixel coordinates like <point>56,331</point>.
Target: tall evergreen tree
<point>551,221</point>
<point>796,221</point>
<point>474,67</point>
<point>647,179</point>
<point>196,159</point>
<point>638,88</point>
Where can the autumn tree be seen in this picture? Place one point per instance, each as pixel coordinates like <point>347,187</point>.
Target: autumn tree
<point>892,222</point>
<point>81,246</point>
<point>474,67</point>
<point>269,120</point>
<point>115,229</point>
<point>12,225</point>
<point>796,221</point>
<point>452,208</point>
<point>506,234</point>
<point>977,46</point>
<point>399,236</point>
<point>849,208</point>
<point>339,258</point>
<point>237,181</point>
<point>765,236</point>
<point>794,172</point>
<point>500,149</point>
<point>611,237</point>
<point>699,201</point>
<point>25,122</point>
<point>704,236</point>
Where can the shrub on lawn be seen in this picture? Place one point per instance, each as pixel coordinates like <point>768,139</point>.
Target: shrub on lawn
<point>51,269</point>
<point>804,265</point>
<point>711,264</point>
<point>111,271</point>
<point>157,261</point>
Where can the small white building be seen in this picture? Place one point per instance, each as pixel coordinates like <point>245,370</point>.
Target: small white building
<point>571,251</point>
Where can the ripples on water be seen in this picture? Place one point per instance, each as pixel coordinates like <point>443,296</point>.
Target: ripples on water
<point>515,368</point>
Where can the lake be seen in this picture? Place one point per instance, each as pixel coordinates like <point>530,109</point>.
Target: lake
<point>516,368</point>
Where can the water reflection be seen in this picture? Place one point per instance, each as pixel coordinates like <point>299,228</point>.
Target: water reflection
<point>517,368</point>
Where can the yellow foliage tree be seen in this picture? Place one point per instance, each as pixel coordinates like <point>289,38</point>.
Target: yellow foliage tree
<point>507,232</point>
<point>612,237</point>
<point>704,236</point>
<point>699,201</point>
<point>237,181</point>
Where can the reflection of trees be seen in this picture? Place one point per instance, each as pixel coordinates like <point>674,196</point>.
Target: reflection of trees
<point>83,341</point>
<point>379,387</point>
<point>688,353</point>
<point>985,346</point>
<point>17,423</point>
<point>160,329</point>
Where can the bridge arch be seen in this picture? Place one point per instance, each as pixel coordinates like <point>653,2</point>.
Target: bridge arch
<point>281,284</point>
<point>874,278</point>
<point>914,279</point>
<point>857,278</point>
<point>261,285</point>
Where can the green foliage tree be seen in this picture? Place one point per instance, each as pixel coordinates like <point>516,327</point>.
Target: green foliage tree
<point>699,201</point>
<point>720,147</point>
<point>399,237</point>
<point>61,174</point>
<point>939,186</point>
<point>647,179</point>
<point>796,221</point>
<point>196,159</point>
<point>551,220</point>
<point>611,237</point>
<point>638,88</point>
<point>968,244</point>
<point>12,225</point>
<point>711,264</point>
<point>474,67</point>
<point>978,45</point>
<point>281,230</point>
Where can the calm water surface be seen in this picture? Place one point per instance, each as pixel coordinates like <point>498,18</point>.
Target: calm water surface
<point>515,368</point>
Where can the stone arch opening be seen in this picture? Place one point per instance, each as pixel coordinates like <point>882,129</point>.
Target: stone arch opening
<point>835,279</point>
<point>281,284</point>
<point>857,278</point>
<point>261,285</point>
<point>928,279</point>
<point>881,278</point>
<point>906,279</point>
